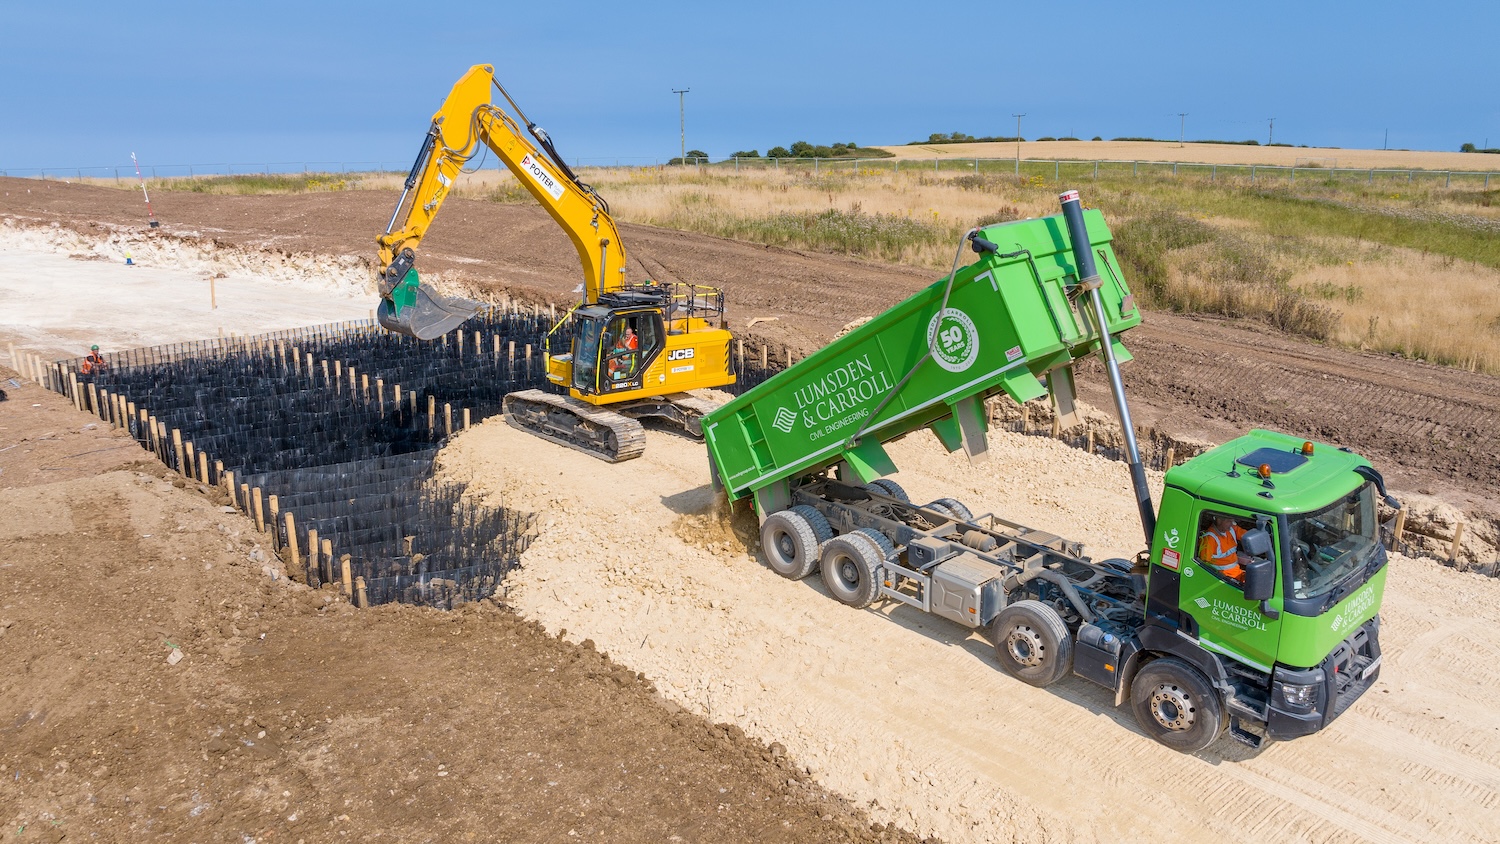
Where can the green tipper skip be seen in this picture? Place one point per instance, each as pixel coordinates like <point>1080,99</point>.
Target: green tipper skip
<point>1254,610</point>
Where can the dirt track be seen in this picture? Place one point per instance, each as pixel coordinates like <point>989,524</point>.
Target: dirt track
<point>1426,427</point>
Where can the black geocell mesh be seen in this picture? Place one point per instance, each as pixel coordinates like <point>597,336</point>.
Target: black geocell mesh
<point>348,463</point>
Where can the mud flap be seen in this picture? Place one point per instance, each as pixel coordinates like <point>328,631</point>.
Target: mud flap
<point>411,310</point>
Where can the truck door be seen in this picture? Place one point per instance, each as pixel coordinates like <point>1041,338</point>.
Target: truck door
<point>1212,588</point>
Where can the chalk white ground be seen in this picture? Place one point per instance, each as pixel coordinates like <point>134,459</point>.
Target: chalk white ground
<point>910,715</point>
<point>64,292</point>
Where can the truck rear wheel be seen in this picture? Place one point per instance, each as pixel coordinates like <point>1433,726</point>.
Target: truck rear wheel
<point>890,488</point>
<point>790,542</point>
<point>1175,705</point>
<point>851,567</point>
<point>1032,643</point>
<point>955,507</point>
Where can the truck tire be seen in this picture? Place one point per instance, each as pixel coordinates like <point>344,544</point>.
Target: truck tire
<point>1175,705</point>
<point>890,488</point>
<point>887,547</point>
<point>851,569</point>
<point>791,544</point>
<point>1032,643</point>
<point>956,507</point>
<point>822,530</point>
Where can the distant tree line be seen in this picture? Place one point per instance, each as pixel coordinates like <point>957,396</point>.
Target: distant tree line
<point>803,149</point>
<point>1472,148</point>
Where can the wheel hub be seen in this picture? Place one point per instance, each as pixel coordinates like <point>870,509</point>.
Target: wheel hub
<point>1025,646</point>
<point>1173,708</point>
<point>848,573</point>
<point>785,546</point>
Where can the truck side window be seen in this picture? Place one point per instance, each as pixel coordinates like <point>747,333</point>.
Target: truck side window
<point>1218,545</point>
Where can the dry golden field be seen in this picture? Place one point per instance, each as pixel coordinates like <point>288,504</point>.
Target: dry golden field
<point>1208,154</point>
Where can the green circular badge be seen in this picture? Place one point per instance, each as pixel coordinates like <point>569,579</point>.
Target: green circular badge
<point>953,339</point>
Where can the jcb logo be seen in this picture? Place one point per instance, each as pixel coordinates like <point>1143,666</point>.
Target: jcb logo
<point>680,354</point>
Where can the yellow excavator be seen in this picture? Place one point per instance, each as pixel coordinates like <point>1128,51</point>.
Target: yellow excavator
<point>632,351</point>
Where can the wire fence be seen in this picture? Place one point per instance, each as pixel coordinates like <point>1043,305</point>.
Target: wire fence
<point>1045,168</point>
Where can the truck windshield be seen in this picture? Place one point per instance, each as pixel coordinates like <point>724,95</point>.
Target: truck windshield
<point>1330,544</point>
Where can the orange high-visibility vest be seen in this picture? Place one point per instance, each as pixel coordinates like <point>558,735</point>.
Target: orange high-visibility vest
<point>1220,551</point>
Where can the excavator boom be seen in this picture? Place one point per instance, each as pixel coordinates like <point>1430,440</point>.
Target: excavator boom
<point>466,123</point>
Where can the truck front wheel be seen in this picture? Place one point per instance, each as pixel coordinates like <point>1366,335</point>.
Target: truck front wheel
<point>1032,643</point>
<point>1175,705</point>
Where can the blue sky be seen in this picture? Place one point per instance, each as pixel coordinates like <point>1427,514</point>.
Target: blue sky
<point>87,83</point>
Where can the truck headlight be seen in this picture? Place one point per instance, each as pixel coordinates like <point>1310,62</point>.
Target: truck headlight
<point>1300,695</point>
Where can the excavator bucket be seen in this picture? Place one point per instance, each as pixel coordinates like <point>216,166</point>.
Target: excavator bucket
<point>413,310</point>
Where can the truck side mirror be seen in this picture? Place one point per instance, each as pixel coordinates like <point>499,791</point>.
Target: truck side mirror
<point>1256,543</point>
<point>1260,579</point>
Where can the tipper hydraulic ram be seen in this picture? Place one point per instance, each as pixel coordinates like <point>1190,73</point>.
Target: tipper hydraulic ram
<point>1256,606</point>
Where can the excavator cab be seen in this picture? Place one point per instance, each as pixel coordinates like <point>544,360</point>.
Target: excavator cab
<point>613,348</point>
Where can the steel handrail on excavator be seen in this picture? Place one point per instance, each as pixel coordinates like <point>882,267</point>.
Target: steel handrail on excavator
<point>409,308</point>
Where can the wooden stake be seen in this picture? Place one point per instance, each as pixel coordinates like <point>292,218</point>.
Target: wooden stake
<point>219,471</point>
<point>260,513</point>
<point>227,478</point>
<point>431,413</point>
<point>1091,441</point>
<point>447,420</point>
<point>511,347</point>
<point>249,507</point>
<point>364,386</point>
<point>466,419</point>
<point>177,449</point>
<point>397,390</point>
<point>314,559</point>
<point>496,338</point>
<point>1171,457</point>
<point>361,597</point>
<point>1025,419</point>
<point>273,518</point>
<point>327,558</point>
<point>345,581</point>
<point>1399,530</point>
<point>291,543</point>
<point>765,360</point>
<point>1458,535</point>
<point>190,464</point>
<point>213,297</point>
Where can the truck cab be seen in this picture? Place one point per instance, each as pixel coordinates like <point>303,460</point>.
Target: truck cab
<point>1288,631</point>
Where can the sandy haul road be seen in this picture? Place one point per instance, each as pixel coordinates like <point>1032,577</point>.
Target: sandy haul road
<point>911,717</point>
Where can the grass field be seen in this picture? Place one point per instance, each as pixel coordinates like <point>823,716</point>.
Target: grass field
<point>1405,267</point>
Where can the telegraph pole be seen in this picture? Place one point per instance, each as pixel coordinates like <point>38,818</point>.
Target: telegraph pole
<point>1181,127</point>
<point>1271,132</point>
<point>682,122</point>
<point>1018,142</point>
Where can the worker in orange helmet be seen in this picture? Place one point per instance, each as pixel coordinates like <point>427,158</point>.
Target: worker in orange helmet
<point>1219,548</point>
<point>94,363</point>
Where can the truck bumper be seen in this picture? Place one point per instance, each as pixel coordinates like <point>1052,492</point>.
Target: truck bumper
<point>1304,701</point>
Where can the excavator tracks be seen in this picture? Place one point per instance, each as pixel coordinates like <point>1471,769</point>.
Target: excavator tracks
<point>566,421</point>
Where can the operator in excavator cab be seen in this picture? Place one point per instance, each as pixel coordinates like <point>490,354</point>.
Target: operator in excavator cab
<point>622,354</point>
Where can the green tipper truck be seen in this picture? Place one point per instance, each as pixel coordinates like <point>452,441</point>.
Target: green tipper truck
<point>1256,607</point>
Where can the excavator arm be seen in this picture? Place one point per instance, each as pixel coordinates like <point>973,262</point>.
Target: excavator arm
<point>467,120</point>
